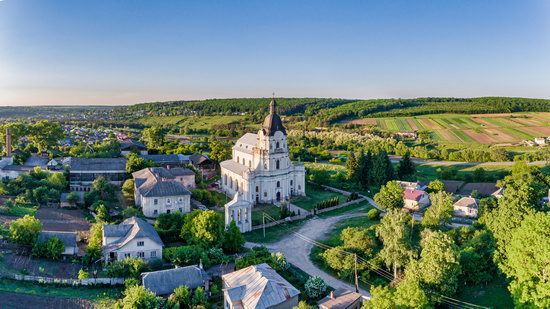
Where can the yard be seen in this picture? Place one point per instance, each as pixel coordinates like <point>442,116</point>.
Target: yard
<point>314,195</point>
<point>273,234</point>
<point>269,209</point>
<point>66,220</point>
<point>12,263</point>
<point>495,294</point>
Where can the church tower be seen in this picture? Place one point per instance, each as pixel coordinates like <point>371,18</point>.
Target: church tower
<point>272,143</point>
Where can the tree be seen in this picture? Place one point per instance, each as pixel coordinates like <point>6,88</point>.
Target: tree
<point>207,229</point>
<point>233,239</point>
<point>220,151</point>
<point>138,297</point>
<point>440,211</point>
<point>128,189</point>
<point>358,240</point>
<point>382,169</point>
<point>72,198</point>
<point>45,135</point>
<point>180,297</point>
<point>409,294</point>
<point>406,168</point>
<point>382,297</point>
<point>394,231</point>
<point>136,163</point>
<point>303,305</point>
<point>154,137</point>
<point>390,196</point>
<point>199,298</point>
<point>436,186</point>
<point>93,251</point>
<point>82,274</point>
<point>527,257</point>
<point>315,287</point>
<point>365,165</point>
<point>352,167</point>
<point>102,214</point>
<point>439,265</point>
<point>54,248</point>
<point>25,230</point>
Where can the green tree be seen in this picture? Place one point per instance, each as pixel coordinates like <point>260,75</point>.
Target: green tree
<point>128,189</point>
<point>138,297</point>
<point>315,287</point>
<point>136,163</point>
<point>527,263</point>
<point>82,274</point>
<point>409,294</point>
<point>207,229</point>
<point>303,305</point>
<point>436,186</point>
<point>406,169</point>
<point>180,298</point>
<point>45,135</point>
<point>390,196</point>
<point>440,211</point>
<point>93,251</point>
<point>25,230</point>
<point>72,198</point>
<point>365,165</point>
<point>54,248</point>
<point>352,167</point>
<point>382,170</point>
<point>154,137</point>
<point>102,214</point>
<point>382,297</point>
<point>233,239</point>
<point>358,240</point>
<point>394,231</point>
<point>199,297</point>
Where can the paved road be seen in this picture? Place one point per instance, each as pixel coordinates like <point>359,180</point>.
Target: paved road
<point>297,250</point>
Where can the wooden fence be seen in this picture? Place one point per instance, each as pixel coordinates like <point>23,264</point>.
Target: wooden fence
<point>89,281</point>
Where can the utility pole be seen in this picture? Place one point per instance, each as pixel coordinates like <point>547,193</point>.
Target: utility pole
<point>356,277</point>
<point>263,219</point>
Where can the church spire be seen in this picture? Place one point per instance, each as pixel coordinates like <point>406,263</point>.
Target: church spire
<point>273,105</point>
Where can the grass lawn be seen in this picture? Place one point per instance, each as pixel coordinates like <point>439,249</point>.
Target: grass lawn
<point>22,210</point>
<point>315,195</point>
<point>362,207</point>
<point>270,209</point>
<point>495,294</point>
<point>425,172</point>
<point>96,294</point>
<point>273,234</point>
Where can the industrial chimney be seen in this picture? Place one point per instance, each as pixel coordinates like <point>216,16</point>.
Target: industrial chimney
<point>8,142</point>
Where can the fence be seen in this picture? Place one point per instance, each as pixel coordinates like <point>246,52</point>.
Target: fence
<point>359,200</point>
<point>89,281</point>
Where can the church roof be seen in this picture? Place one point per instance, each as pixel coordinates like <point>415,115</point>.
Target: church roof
<point>249,139</point>
<point>234,167</point>
<point>273,123</point>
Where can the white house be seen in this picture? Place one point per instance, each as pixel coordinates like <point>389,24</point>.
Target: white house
<point>466,207</point>
<point>240,211</point>
<point>69,240</point>
<point>541,141</point>
<point>415,199</point>
<point>258,287</point>
<point>260,168</point>
<point>132,238</point>
<point>160,190</point>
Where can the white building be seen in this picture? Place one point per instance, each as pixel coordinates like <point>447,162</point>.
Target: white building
<point>240,211</point>
<point>132,238</point>
<point>261,169</point>
<point>160,190</point>
<point>466,207</point>
<point>415,200</point>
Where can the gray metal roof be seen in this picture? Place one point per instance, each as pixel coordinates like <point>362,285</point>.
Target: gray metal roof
<point>163,158</point>
<point>258,286</point>
<point>157,181</point>
<point>68,238</point>
<point>342,299</point>
<point>128,230</point>
<point>130,143</point>
<point>98,164</point>
<point>164,282</point>
<point>234,167</point>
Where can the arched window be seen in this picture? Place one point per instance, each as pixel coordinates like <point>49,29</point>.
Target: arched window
<point>278,184</point>
<point>277,164</point>
<point>257,189</point>
<point>244,161</point>
<point>225,179</point>
<point>249,163</point>
<point>231,182</point>
<point>277,145</point>
<point>291,182</point>
<point>237,159</point>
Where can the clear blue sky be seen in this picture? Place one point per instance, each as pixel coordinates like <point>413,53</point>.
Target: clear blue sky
<point>130,51</point>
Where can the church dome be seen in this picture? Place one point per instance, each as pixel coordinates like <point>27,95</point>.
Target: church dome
<point>273,123</point>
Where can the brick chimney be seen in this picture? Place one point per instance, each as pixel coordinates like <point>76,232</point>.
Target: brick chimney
<point>8,142</point>
<point>331,294</point>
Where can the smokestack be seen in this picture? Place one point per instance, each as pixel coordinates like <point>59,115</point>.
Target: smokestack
<point>8,142</point>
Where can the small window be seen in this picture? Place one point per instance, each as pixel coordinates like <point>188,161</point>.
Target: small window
<point>155,211</point>
<point>277,164</point>
<point>140,243</point>
<point>180,199</point>
<point>155,201</point>
<point>277,145</point>
<point>141,254</point>
<point>299,187</point>
<point>265,194</point>
<point>181,209</point>
<point>168,201</point>
<point>257,189</point>
<point>278,184</point>
<point>153,254</point>
<point>291,183</point>
<point>168,211</point>
<point>127,255</point>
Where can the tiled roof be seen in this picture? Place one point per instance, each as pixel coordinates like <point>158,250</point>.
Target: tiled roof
<point>98,164</point>
<point>413,194</point>
<point>258,286</point>
<point>128,230</point>
<point>164,282</point>
<point>163,158</point>
<point>249,139</point>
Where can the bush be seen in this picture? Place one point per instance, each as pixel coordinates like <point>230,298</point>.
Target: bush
<point>25,230</point>
<point>127,268</point>
<point>373,214</point>
<point>186,255</point>
<point>82,274</point>
<point>50,249</point>
<point>315,288</point>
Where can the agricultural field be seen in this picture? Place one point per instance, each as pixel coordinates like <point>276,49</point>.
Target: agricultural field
<point>476,128</point>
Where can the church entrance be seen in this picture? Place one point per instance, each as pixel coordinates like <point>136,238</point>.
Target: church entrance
<point>278,196</point>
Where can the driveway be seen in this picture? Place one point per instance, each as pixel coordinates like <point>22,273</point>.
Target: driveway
<point>296,249</point>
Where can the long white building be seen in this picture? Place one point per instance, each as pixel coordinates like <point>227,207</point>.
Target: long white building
<point>261,169</point>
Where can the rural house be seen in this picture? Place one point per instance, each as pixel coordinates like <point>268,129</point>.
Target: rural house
<point>69,240</point>
<point>415,200</point>
<point>128,146</point>
<point>132,238</point>
<point>83,172</point>
<point>466,207</point>
<point>341,299</point>
<point>160,190</point>
<point>260,287</point>
<point>164,282</point>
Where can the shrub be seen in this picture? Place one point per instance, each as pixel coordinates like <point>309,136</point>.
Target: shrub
<point>315,287</point>
<point>373,214</point>
<point>82,274</point>
<point>25,230</point>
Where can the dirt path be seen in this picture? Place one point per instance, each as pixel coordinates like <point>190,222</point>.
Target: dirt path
<point>297,249</point>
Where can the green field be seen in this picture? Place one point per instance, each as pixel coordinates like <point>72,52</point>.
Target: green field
<point>478,128</point>
<point>191,122</point>
<point>269,209</point>
<point>315,195</point>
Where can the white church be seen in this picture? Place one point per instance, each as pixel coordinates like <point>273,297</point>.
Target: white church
<point>261,171</point>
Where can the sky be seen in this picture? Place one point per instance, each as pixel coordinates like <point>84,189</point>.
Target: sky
<point>66,52</point>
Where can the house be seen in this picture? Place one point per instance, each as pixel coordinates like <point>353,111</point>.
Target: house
<point>69,240</point>
<point>413,185</point>
<point>341,299</point>
<point>168,160</point>
<point>260,167</point>
<point>415,199</point>
<point>160,190</point>
<point>83,172</point>
<point>466,207</point>
<point>164,282</point>
<point>132,238</point>
<point>498,193</point>
<point>240,211</point>
<point>260,287</point>
<point>128,146</point>
<point>541,141</point>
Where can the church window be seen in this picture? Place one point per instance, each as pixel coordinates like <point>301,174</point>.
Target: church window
<point>244,161</point>
<point>265,194</point>
<point>277,164</point>
<point>278,184</point>
<point>291,182</point>
<point>257,188</point>
<point>231,182</point>
<point>236,186</point>
<point>237,159</point>
<point>249,163</point>
<point>239,215</point>
<point>277,145</point>
<point>225,179</point>
<point>299,187</point>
